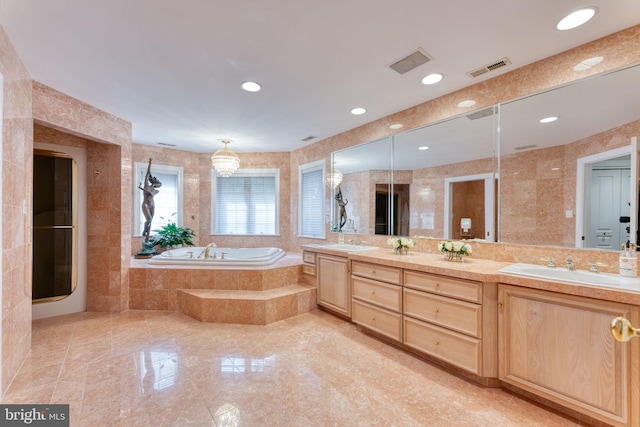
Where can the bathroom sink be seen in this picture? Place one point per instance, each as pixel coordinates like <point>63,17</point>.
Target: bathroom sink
<point>581,277</point>
<point>348,248</point>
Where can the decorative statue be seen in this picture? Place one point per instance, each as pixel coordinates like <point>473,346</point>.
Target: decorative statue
<point>343,211</point>
<point>150,189</point>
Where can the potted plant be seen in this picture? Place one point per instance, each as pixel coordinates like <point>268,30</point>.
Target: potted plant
<point>171,236</point>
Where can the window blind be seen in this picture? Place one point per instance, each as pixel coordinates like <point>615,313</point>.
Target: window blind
<point>311,217</point>
<point>165,202</point>
<point>246,205</point>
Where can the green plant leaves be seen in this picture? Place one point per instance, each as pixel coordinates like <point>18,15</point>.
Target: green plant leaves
<point>171,235</point>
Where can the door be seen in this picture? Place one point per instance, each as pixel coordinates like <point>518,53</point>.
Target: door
<point>59,230</point>
<point>604,230</point>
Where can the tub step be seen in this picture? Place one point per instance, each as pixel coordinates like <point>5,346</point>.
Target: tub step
<point>246,307</point>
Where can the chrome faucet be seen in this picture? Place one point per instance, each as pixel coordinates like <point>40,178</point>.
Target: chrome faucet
<point>206,250</point>
<point>594,266</point>
<point>551,263</point>
<point>570,265</point>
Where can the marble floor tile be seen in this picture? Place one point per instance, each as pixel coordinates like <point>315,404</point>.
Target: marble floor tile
<point>166,369</point>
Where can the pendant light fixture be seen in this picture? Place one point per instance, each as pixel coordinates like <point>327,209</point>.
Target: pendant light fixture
<point>335,177</point>
<point>225,161</point>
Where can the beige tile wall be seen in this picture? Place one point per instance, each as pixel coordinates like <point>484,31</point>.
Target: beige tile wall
<point>17,167</point>
<point>109,184</point>
<point>197,193</point>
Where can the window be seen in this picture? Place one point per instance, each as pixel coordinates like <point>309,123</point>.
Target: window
<point>311,200</point>
<point>168,200</point>
<point>246,203</point>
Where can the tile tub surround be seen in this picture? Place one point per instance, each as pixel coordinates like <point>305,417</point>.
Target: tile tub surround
<point>252,295</point>
<point>311,370</point>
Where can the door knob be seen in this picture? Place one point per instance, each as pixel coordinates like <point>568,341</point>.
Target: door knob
<point>622,330</point>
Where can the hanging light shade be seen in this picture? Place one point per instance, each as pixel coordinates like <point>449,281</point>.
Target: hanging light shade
<point>335,178</point>
<point>225,161</point>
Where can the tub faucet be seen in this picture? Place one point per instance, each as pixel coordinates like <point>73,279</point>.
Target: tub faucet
<point>570,265</point>
<point>207,249</point>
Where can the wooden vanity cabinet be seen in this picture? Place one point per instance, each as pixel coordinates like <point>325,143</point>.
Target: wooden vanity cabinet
<point>309,263</point>
<point>377,298</point>
<point>444,317</point>
<point>560,347</point>
<point>334,291</point>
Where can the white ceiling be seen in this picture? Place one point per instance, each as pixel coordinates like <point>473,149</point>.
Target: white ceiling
<point>174,69</point>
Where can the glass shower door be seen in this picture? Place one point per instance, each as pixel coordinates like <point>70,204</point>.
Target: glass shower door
<point>54,226</point>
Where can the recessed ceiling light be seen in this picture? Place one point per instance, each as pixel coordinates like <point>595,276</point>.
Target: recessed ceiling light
<point>251,86</point>
<point>424,147</point>
<point>432,79</point>
<point>358,110</point>
<point>467,103</point>
<point>577,18</point>
<point>587,64</point>
<point>549,119</point>
<point>396,126</point>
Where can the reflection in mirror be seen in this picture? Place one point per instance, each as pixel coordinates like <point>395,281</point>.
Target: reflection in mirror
<point>448,165</point>
<point>366,171</point>
<point>544,166</point>
<point>423,182</point>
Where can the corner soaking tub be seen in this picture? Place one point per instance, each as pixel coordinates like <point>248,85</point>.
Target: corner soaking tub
<point>233,257</point>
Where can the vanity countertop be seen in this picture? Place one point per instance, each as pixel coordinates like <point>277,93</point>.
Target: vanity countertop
<point>481,270</point>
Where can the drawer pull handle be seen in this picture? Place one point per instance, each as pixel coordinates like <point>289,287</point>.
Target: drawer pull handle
<point>437,285</point>
<point>437,342</point>
<point>437,311</point>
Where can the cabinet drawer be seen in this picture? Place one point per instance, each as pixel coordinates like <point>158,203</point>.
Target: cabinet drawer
<point>450,313</point>
<point>309,269</point>
<point>377,293</point>
<point>309,257</point>
<point>377,319</point>
<point>377,272</point>
<point>451,347</point>
<point>447,286</point>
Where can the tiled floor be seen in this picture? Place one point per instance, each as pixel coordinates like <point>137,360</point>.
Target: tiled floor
<point>167,369</point>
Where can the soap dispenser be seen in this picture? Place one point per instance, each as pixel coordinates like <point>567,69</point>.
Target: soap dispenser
<point>628,261</point>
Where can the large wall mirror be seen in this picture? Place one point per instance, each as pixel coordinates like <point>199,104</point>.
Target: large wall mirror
<point>422,182</point>
<point>562,183</point>
<point>566,182</point>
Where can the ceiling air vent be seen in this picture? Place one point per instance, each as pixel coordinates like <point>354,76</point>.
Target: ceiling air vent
<point>480,114</point>
<point>308,138</point>
<point>410,61</point>
<point>525,147</point>
<point>490,67</point>
<point>166,144</point>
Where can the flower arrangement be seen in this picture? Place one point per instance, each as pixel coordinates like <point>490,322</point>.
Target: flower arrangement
<point>400,244</point>
<point>455,250</point>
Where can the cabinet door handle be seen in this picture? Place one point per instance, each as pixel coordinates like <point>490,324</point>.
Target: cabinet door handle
<point>622,330</point>
<point>436,311</point>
